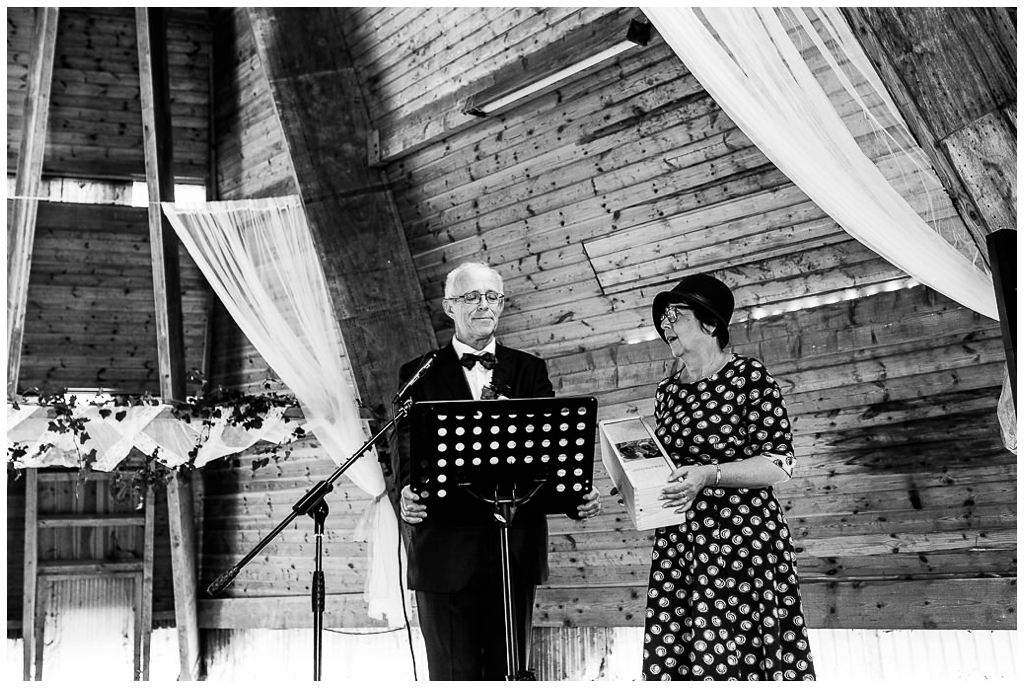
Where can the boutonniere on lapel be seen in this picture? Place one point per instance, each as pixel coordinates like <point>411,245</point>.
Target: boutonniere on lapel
<point>498,389</point>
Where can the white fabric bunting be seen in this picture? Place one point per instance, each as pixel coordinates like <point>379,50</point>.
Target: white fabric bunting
<point>145,428</point>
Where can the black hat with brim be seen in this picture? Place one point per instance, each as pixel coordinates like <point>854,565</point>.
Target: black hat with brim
<point>700,290</point>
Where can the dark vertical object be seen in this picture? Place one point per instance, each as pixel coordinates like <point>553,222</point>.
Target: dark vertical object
<point>212,194</point>
<point>212,184</point>
<point>21,218</point>
<point>1002,255</point>
<point>151,31</point>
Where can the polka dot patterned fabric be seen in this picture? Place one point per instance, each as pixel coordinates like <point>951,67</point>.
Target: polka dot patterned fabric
<point>724,601</point>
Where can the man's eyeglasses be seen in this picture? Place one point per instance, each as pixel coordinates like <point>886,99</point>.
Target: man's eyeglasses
<point>473,297</point>
<point>672,312</point>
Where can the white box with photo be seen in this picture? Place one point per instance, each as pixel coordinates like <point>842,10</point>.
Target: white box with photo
<point>639,468</point>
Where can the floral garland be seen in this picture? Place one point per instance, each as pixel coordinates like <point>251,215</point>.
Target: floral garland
<point>210,406</point>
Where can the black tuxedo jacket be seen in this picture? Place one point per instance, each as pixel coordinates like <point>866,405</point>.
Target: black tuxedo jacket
<point>443,556</point>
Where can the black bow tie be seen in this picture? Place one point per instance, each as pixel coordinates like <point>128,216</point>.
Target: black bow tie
<point>487,360</point>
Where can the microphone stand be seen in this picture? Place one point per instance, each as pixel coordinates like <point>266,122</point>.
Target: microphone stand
<point>313,505</point>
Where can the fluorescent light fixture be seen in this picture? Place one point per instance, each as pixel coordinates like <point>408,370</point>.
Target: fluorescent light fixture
<point>530,89</point>
<point>638,34</point>
<point>807,302</point>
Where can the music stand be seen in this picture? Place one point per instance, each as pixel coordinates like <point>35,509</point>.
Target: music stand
<point>503,452</point>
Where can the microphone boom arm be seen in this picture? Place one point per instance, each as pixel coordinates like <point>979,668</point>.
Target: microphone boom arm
<point>306,505</point>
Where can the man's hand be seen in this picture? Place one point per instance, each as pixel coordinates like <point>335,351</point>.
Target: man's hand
<point>412,511</point>
<point>591,505</point>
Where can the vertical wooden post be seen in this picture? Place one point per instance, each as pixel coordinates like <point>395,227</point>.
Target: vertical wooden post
<point>151,28</point>
<point>145,633</point>
<point>30,588</point>
<point>21,222</point>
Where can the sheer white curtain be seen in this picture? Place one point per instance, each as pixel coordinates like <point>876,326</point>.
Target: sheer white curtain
<point>748,61</point>
<point>259,258</point>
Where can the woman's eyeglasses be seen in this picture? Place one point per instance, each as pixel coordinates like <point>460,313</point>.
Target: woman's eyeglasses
<point>473,297</point>
<point>672,312</point>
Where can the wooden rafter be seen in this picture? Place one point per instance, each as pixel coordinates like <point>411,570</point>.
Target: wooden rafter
<point>151,27</point>
<point>155,95</point>
<point>925,54</point>
<point>21,219</point>
<point>348,206</point>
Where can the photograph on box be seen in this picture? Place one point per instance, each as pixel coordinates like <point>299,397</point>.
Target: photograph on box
<point>632,439</point>
<point>632,450</point>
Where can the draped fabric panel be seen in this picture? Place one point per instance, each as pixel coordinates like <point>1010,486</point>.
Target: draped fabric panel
<point>750,63</point>
<point>259,258</point>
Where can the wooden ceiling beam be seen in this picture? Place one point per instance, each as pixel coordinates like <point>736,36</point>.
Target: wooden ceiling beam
<point>952,73</point>
<point>159,147</point>
<point>355,227</point>
<point>22,209</point>
<point>151,30</point>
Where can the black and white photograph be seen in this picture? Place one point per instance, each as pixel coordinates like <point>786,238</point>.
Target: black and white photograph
<point>380,345</point>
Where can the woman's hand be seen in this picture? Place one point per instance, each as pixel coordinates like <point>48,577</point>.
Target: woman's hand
<point>684,484</point>
<point>412,511</point>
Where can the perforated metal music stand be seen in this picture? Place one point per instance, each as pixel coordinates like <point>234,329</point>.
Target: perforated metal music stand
<point>505,453</point>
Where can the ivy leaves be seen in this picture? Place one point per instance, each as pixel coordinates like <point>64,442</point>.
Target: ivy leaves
<point>133,477</point>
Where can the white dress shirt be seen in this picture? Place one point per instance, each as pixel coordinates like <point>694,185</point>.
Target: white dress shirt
<point>478,377</point>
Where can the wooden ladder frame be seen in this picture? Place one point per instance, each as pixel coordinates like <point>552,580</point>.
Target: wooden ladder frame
<point>40,575</point>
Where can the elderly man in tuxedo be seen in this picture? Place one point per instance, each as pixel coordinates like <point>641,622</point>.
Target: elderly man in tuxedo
<point>455,567</point>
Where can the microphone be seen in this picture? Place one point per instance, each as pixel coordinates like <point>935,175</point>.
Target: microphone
<point>427,362</point>
<point>223,580</point>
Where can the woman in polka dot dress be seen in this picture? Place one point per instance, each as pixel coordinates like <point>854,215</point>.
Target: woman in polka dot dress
<point>724,599</point>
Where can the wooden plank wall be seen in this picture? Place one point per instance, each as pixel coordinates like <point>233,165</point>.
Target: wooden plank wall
<point>903,494</point>
<point>89,321</point>
<point>252,158</point>
<point>95,128</point>
<point>589,200</point>
<point>242,504</point>
<point>252,162</point>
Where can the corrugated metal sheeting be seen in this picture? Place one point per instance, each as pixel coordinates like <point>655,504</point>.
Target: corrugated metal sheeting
<point>915,655</point>
<point>559,654</point>
<point>586,654</point>
<point>366,656</point>
<point>88,628</point>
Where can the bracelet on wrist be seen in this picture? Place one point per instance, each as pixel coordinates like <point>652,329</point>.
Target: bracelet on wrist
<point>718,474</point>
